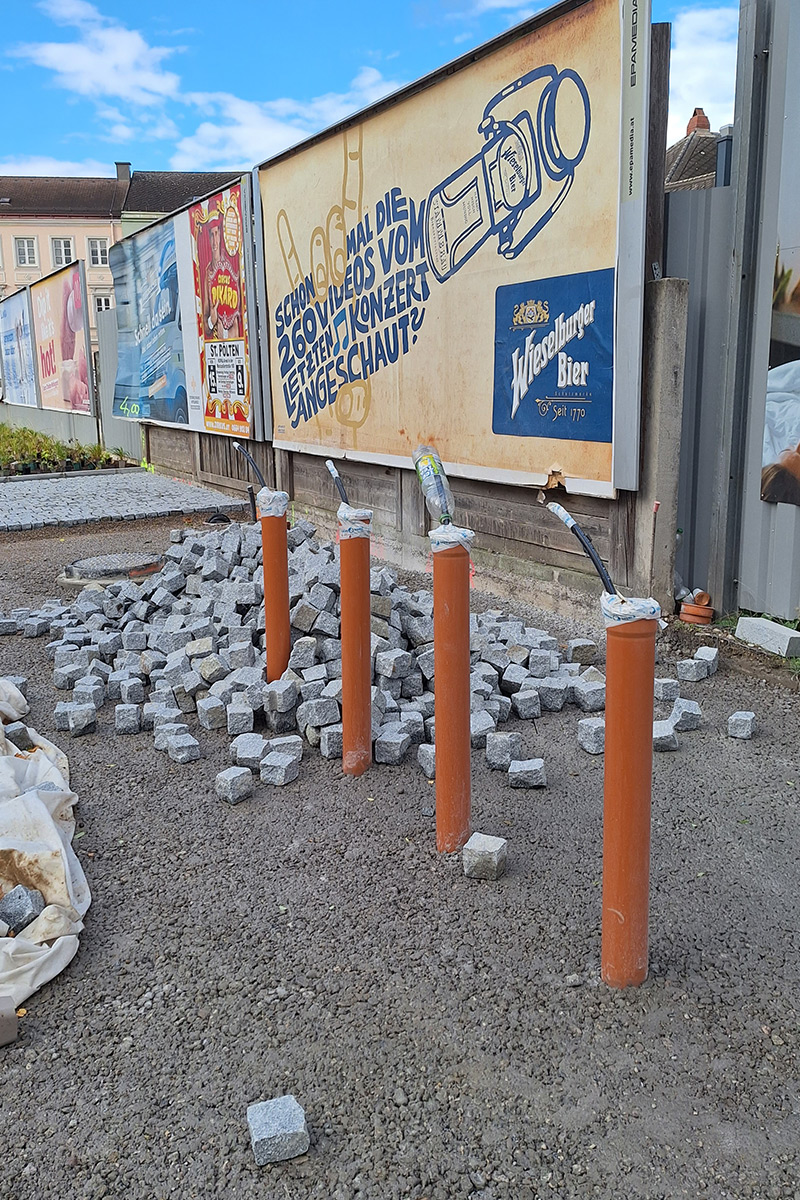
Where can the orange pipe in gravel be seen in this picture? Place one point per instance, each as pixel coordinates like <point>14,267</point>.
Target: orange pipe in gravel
<point>276,595</point>
<point>356,655</point>
<point>451,669</point>
<point>630,673</point>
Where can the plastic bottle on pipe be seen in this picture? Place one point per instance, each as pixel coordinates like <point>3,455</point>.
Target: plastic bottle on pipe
<point>434,483</point>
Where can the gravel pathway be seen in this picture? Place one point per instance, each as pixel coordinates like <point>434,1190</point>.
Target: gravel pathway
<point>446,1037</point>
<point>123,495</point>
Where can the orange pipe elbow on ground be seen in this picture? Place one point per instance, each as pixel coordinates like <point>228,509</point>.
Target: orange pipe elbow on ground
<point>630,675</point>
<point>356,655</point>
<point>451,668</point>
<point>275,557</point>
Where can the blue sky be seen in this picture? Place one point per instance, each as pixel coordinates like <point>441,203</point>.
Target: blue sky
<point>184,86</point>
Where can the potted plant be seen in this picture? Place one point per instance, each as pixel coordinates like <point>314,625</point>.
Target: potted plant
<point>95,455</point>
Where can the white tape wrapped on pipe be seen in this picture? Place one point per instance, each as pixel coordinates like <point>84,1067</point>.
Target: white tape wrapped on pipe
<point>354,522</point>
<point>272,504</point>
<point>444,537</point>
<point>619,610</point>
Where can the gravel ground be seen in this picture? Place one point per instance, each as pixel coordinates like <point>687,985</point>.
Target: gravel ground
<point>446,1037</point>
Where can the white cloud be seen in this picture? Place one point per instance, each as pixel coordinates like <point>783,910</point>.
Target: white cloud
<point>105,60</point>
<point>39,164</point>
<point>244,132</point>
<point>702,67</point>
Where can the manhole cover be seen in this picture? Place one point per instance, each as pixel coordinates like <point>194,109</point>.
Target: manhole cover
<point>117,566</point>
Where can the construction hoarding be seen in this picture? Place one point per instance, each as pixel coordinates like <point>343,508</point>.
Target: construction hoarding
<point>182,311</point>
<point>453,276</point>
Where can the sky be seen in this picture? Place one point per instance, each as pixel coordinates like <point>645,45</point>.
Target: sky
<point>183,86</point>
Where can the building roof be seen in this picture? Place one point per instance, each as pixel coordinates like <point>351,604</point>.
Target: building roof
<point>164,191</point>
<point>692,162</point>
<point>55,196</point>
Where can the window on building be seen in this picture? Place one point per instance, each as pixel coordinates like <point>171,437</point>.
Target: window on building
<point>98,252</point>
<point>102,303</point>
<point>25,252</point>
<point>62,252</point>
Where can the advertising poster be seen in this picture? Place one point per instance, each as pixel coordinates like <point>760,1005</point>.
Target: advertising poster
<point>60,335</point>
<point>446,272</point>
<point>16,351</point>
<point>780,476</point>
<point>157,373</point>
<point>216,228</point>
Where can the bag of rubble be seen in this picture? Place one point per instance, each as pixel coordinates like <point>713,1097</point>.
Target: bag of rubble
<point>43,890</point>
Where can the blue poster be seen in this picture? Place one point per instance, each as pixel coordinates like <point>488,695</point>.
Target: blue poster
<point>554,358</point>
<point>151,375</point>
<point>17,356</point>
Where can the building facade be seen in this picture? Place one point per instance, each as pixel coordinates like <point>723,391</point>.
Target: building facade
<point>48,222</point>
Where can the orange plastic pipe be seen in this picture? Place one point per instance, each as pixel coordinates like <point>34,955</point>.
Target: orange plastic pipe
<point>356,655</point>
<point>276,595</point>
<point>630,672</point>
<point>451,668</point>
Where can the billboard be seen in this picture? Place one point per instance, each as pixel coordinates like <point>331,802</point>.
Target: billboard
<point>780,474</point>
<point>447,268</point>
<point>16,350</point>
<point>216,228</point>
<point>154,380</point>
<point>183,348</point>
<point>61,334</point>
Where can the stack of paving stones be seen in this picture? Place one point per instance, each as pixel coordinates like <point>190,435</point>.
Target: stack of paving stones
<point>185,647</point>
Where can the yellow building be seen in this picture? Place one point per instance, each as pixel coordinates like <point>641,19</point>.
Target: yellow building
<point>49,222</point>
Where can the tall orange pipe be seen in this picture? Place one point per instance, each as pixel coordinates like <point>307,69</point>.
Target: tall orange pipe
<point>356,655</point>
<point>451,668</point>
<point>630,671</point>
<point>275,557</point>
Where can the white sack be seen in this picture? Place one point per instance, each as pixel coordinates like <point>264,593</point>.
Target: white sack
<point>37,825</point>
<point>24,968</point>
<point>13,705</point>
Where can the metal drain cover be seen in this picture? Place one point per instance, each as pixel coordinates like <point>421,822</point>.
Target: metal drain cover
<point>114,566</point>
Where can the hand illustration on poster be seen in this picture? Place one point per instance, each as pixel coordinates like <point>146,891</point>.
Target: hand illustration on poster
<point>218,257</point>
<point>329,254</point>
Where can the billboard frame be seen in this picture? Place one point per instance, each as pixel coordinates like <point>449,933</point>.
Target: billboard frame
<point>630,266</point>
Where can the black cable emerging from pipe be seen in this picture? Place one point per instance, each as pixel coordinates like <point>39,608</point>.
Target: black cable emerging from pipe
<point>337,479</point>
<point>238,446</point>
<point>559,511</point>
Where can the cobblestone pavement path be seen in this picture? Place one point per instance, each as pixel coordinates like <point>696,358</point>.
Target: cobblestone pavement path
<point>127,495</point>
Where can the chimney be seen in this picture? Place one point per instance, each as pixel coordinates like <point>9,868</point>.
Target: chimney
<point>124,170</point>
<point>699,123</point>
